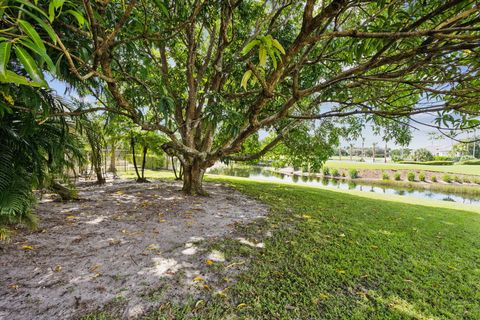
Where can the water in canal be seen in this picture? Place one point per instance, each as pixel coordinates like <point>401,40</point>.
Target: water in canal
<point>263,174</point>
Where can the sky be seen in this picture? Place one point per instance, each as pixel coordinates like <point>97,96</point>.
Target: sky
<point>420,137</point>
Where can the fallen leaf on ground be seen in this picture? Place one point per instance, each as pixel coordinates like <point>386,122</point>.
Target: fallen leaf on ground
<point>152,247</point>
<point>241,305</point>
<point>58,268</point>
<point>198,279</point>
<point>209,262</point>
<point>13,286</point>
<point>95,267</point>
<point>27,247</point>
<point>323,296</point>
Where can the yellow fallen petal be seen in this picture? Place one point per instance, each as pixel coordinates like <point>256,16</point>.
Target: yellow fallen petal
<point>198,279</point>
<point>209,262</point>
<point>27,247</point>
<point>241,305</point>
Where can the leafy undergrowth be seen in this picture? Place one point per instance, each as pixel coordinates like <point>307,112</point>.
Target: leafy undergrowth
<point>337,256</point>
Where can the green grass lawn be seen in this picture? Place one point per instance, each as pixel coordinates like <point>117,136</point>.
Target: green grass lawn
<point>456,168</point>
<point>338,256</point>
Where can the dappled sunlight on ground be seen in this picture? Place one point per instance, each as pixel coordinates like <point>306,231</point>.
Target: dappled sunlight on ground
<point>118,240</point>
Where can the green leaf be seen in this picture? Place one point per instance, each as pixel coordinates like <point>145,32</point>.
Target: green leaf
<point>52,7</point>
<point>5,49</point>
<point>32,46</point>
<point>262,56</point>
<point>274,60</point>
<point>3,5</point>
<point>249,46</point>
<point>58,65</point>
<point>245,78</point>
<point>12,77</point>
<point>278,45</point>
<point>161,6</point>
<point>29,64</point>
<point>78,16</point>
<point>45,26</point>
<point>32,6</point>
<point>32,34</point>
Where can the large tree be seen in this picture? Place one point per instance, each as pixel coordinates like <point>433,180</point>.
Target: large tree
<point>211,74</point>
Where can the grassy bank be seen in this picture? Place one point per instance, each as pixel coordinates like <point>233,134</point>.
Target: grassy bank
<point>440,187</point>
<point>456,168</point>
<point>338,256</point>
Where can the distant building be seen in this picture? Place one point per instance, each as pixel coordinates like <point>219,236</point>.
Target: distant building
<point>443,151</point>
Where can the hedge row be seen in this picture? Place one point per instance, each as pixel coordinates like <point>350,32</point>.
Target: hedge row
<point>431,163</point>
<point>472,162</point>
<point>152,161</point>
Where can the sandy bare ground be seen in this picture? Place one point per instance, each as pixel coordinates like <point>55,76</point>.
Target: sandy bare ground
<point>114,246</point>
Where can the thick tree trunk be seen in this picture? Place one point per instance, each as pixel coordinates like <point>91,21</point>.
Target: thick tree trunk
<point>193,179</point>
<point>64,192</point>
<point>100,178</point>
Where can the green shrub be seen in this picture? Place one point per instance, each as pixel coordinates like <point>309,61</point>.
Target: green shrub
<point>472,162</point>
<point>411,176</point>
<point>467,158</point>
<point>442,158</point>
<point>447,178</point>
<point>385,176</point>
<point>343,174</point>
<point>422,154</point>
<point>353,173</point>
<point>476,180</point>
<point>421,176</point>
<point>434,178</point>
<point>335,173</point>
<point>326,171</point>
<point>466,180</point>
<point>457,179</point>
<point>397,176</point>
<point>429,163</point>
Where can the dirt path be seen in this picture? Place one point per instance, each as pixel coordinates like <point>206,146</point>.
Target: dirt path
<point>116,244</point>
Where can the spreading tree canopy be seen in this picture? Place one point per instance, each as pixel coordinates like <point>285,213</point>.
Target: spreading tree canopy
<point>211,74</point>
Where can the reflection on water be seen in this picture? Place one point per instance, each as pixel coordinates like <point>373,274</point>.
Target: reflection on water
<point>261,174</point>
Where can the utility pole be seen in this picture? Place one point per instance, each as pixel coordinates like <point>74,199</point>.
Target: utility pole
<point>474,143</point>
<point>351,151</point>
<point>385,152</point>
<point>363,149</point>
<point>340,152</point>
<point>373,153</point>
